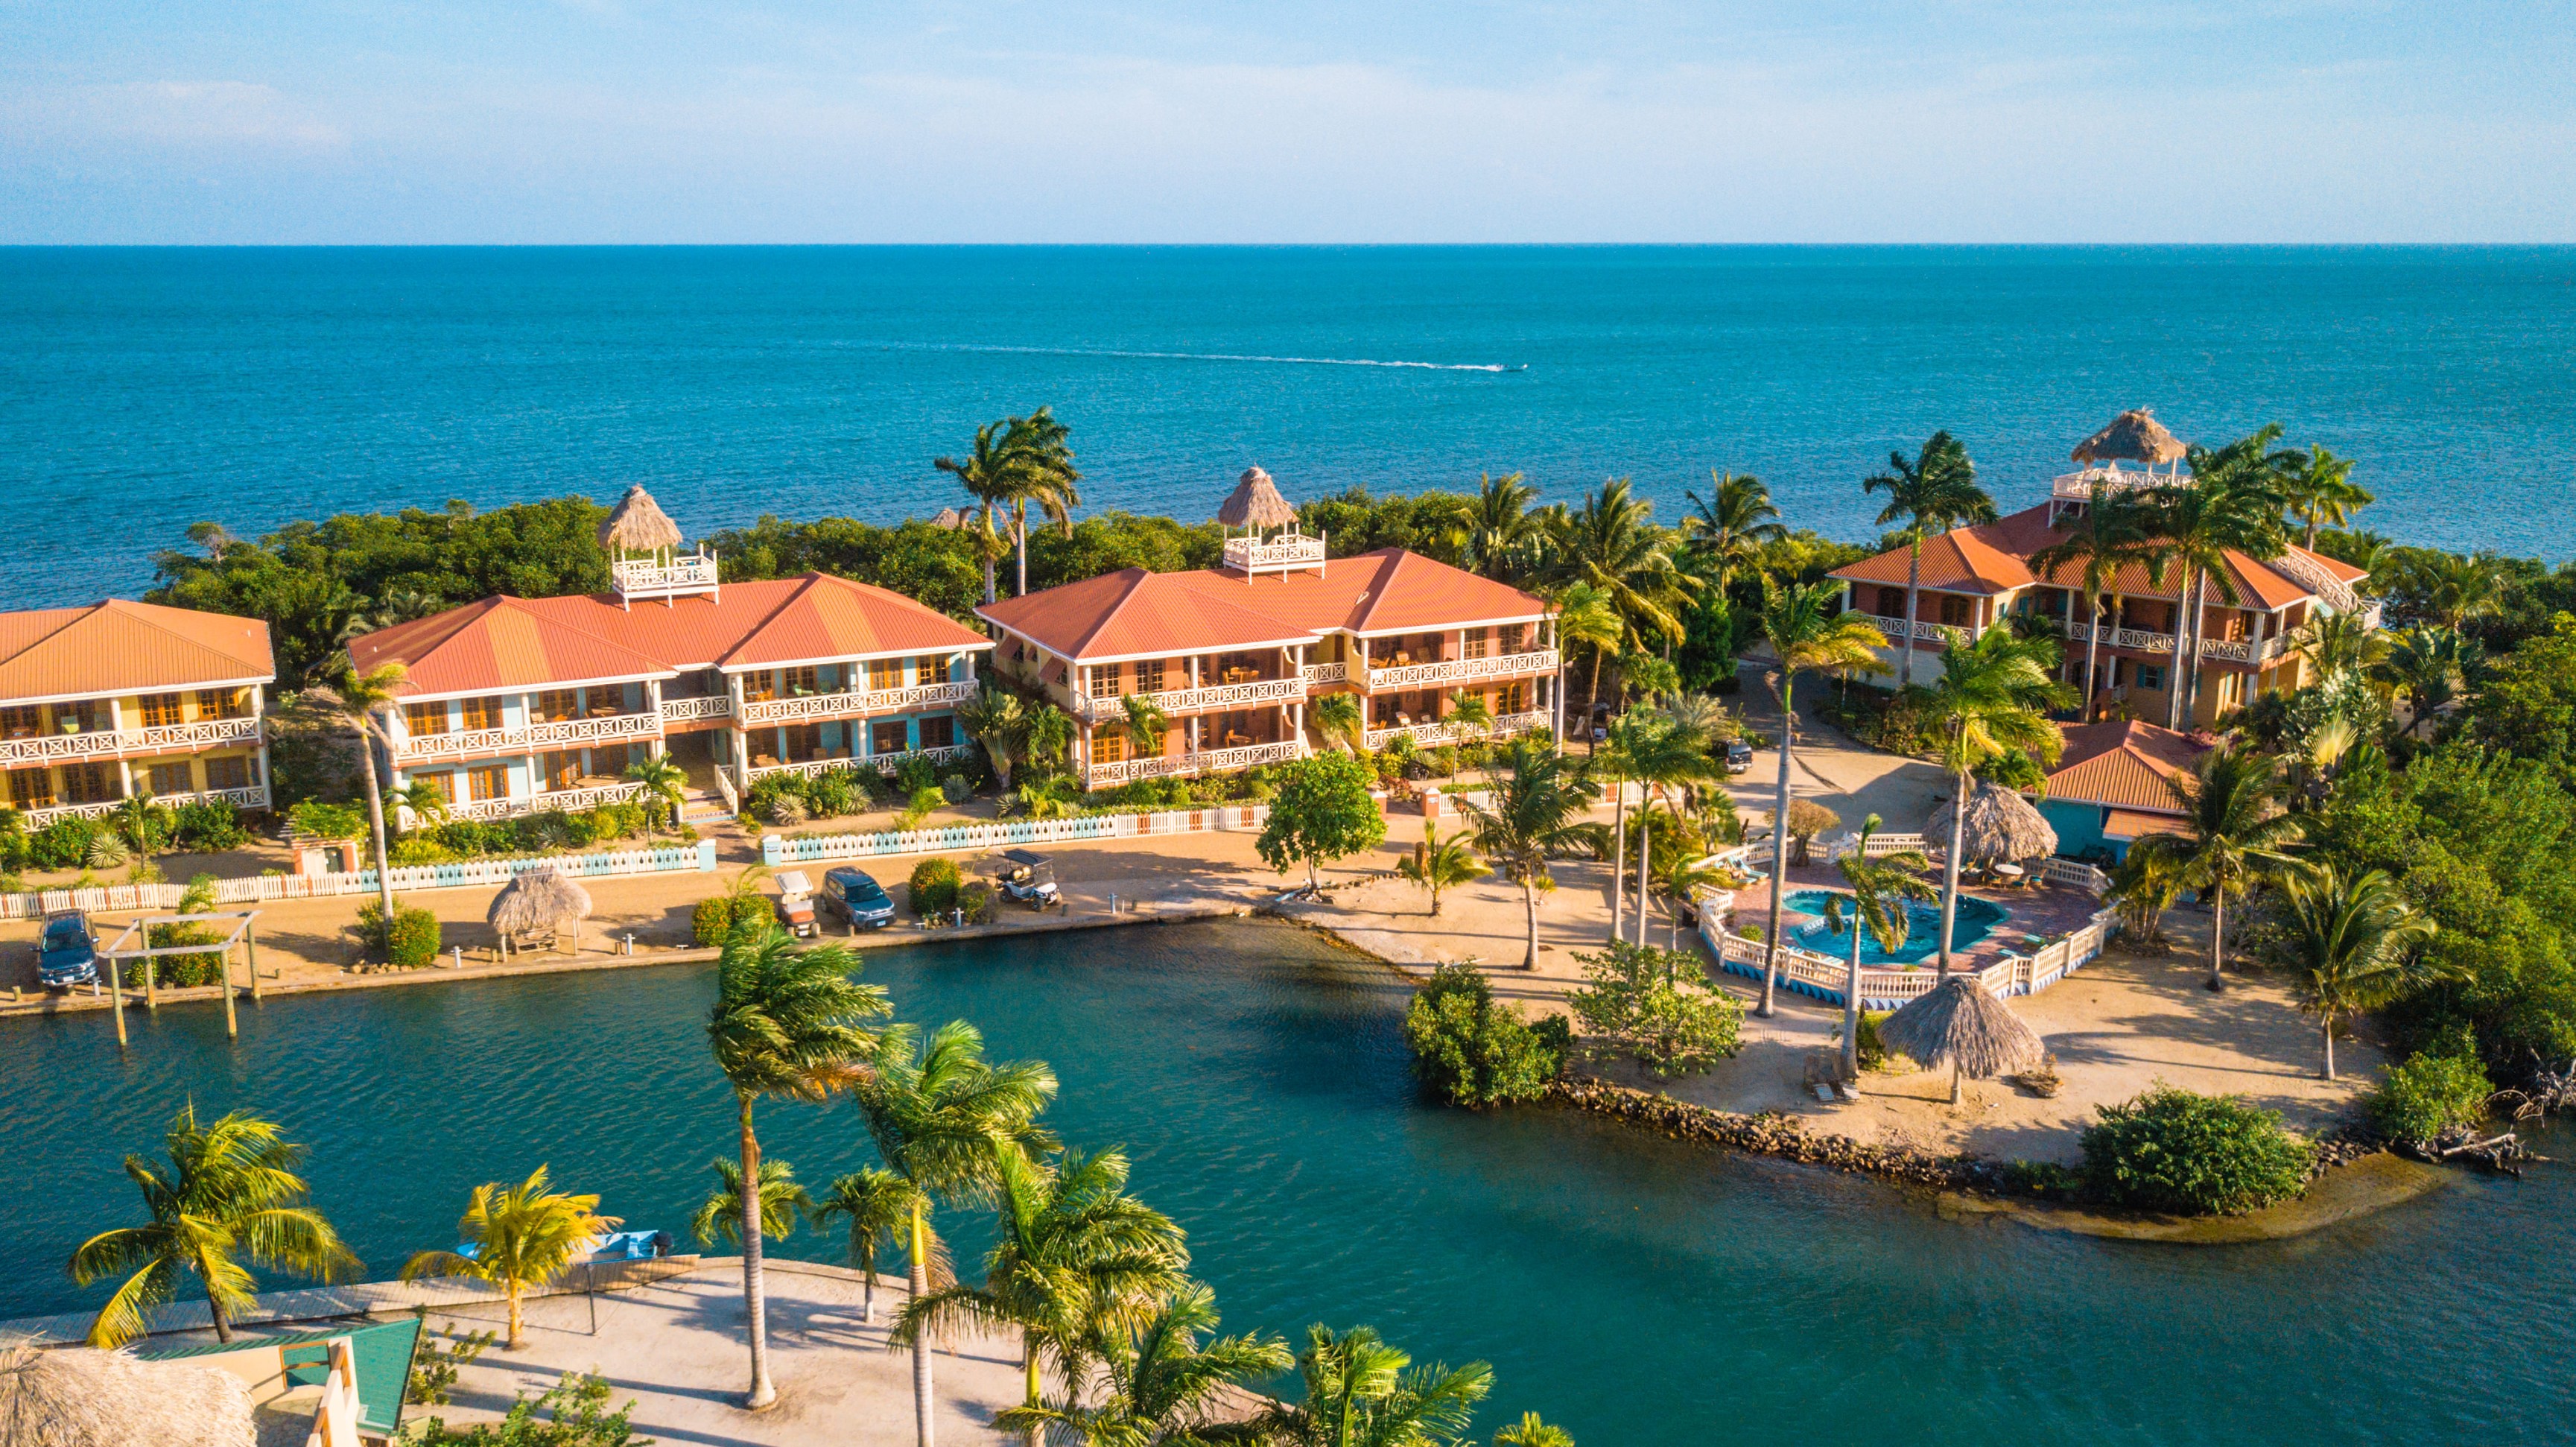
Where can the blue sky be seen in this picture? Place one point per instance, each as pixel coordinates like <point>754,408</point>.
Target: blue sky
<point>1075,121</point>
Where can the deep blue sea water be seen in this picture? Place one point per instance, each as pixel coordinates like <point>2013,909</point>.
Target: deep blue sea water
<point>141,390</point>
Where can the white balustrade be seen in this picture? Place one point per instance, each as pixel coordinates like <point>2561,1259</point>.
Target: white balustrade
<point>254,797</point>
<point>1924,628</point>
<point>852,704</point>
<point>567,800</point>
<point>2081,486</point>
<point>882,763</point>
<point>1197,700</point>
<point>161,738</point>
<point>684,710</point>
<point>654,578</point>
<point>1288,550</point>
<point>1436,733</point>
<point>1328,672</point>
<point>1185,765</point>
<point>1462,670</point>
<point>557,734</point>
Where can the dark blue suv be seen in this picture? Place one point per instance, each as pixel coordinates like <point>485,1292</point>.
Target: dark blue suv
<point>68,954</point>
<point>857,898</point>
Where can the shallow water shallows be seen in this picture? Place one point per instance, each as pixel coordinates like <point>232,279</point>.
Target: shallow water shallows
<point>1639,1290</point>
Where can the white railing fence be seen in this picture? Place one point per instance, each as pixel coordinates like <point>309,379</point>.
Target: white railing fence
<point>254,797</point>
<point>1188,765</point>
<point>1195,700</point>
<point>885,764</point>
<point>1884,987</point>
<point>1288,550</point>
<point>853,702</point>
<point>160,738</point>
<point>1436,733</point>
<point>684,710</point>
<point>1460,670</point>
<point>407,879</point>
<point>555,733</point>
<point>778,849</point>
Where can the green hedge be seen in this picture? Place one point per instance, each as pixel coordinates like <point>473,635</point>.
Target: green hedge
<point>2430,1094</point>
<point>1470,1053</point>
<point>2182,1154</point>
<point>934,887</point>
<point>410,944</point>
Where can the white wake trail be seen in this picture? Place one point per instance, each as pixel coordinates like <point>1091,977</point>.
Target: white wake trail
<point>1197,357</point>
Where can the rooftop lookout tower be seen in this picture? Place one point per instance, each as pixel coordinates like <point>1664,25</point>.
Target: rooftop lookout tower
<point>1257,507</point>
<point>644,553</point>
<point>2133,436</point>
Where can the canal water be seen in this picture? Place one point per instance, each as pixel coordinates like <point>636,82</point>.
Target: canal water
<point>1637,1290</point>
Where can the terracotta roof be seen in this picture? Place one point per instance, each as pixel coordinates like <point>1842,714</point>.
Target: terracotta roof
<point>506,642</point>
<point>2342,571</point>
<point>1993,558</point>
<point>2122,764</point>
<point>1136,614</point>
<point>122,647</point>
<point>2136,824</point>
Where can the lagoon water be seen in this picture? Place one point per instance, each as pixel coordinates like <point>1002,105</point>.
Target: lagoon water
<point>1640,1291</point>
<point>141,390</point>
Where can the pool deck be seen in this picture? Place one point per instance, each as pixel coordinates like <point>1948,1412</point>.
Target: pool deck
<point>2043,912</point>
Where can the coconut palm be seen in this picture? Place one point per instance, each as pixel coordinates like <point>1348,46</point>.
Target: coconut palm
<point>1160,1383</point>
<point>360,703</point>
<point>1727,529</point>
<point>1076,1258</point>
<point>1532,1431</point>
<point>1472,719</point>
<point>787,1023</point>
<point>1440,863</point>
<point>2317,488</point>
<point>229,1195</point>
<point>2456,587</point>
<point>995,718</point>
<point>1993,697</point>
<point>721,1215</point>
<point>2109,534</point>
<point>2335,643</point>
<point>1680,880</point>
<point>1041,475</point>
<point>1881,889</point>
<point>1361,1392</point>
<point>1533,813</point>
<point>934,1110</point>
<point>873,1203</point>
<point>988,473</point>
<point>2430,665</point>
<point>2232,504</point>
<point>664,783</point>
<point>2348,943</point>
<point>1609,763</point>
<point>1051,732</point>
<point>1806,636</point>
<point>1668,756</point>
<point>2232,834</point>
<point>520,1236</point>
<point>1587,615</point>
<point>1337,717</point>
<point>1931,494</point>
<point>1503,535</point>
<point>1146,725</point>
<point>427,802</point>
<point>1610,544</point>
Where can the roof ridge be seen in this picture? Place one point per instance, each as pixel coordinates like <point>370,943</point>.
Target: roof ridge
<point>804,582</point>
<point>73,616</point>
<point>1135,578</point>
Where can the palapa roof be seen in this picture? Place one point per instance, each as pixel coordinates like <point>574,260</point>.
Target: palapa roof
<point>121,647</point>
<point>1959,1022</point>
<point>510,643</point>
<point>537,899</point>
<point>2001,825</point>
<point>2133,436</point>
<point>78,1397</point>
<point>638,524</point>
<point>1137,614</point>
<point>2123,764</point>
<point>1994,558</point>
<point>1256,503</point>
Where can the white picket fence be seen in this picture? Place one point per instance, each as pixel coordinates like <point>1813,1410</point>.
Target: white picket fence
<point>778,849</point>
<point>1882,988</point>
<point>407,879</point>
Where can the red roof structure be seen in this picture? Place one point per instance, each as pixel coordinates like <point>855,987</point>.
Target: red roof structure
<point>1995,558</point>
<point>2123,764</point>
<point>121,647</point>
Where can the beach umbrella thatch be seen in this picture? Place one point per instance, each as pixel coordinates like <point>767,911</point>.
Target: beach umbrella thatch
<point>538,901</point>
<point>2001,825</point>
<point>638,525</point>
<point>77,1397</point>
<point>1961,1025</point>
<point>949,518</point>
<point>1256,503</point>
<point>2133,436</point>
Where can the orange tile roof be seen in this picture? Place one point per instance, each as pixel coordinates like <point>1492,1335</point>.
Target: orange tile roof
<point>2137,824</point>
<point>121,647</point>
<point>1994,558</point>
<point>1136,614</point>
<point>501,643</point>
<point>2123,764</point>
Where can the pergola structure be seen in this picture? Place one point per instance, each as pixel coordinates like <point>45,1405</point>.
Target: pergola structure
<point>127,948</point>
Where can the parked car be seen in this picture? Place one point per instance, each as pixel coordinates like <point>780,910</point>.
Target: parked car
<point>1739,757</point>
<point>796,903</point>
<point>854,896</point>
<point>67,954</point>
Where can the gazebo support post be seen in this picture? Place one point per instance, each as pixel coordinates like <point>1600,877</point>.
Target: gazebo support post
<point>232,1023</point>
<point>116,997</point>
<point>250,943</point>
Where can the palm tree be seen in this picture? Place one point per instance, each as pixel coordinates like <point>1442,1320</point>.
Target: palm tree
<point>1146,725</point>
<point>425,799</point>
<point>230,1194</point>
<point>1881,888</point>
<point>1585,614</point>
<point>1610,544</point>
<point>520,1236</point>
<point>2317,488</point>
<point>2347,942</point>
<point>1729,526</point>
<point>786,1023</point>
<point>1611,765</point>
<point>1502,533</point>
<point>1041,473</point>
<point>2231,834</point>
<point>987,473</point>
<point>1932,494</point>
<point>2232,504</point>
<point>995,718</point>
<point>359,703</point>
<point>1075,1258</point>
<point>934,1111</point>
<point>1533,814</point>
<point>1440,863</point>
<point>2457,587</point>
<point>1471,717</point>
<point>1337,717</point>
<point>1160,1384</point>
<point>721,1215</point>
<point>875,1203</point>
<point>1668,756</point>
<point>1532,1431</point>
<point>1679,882</point>
<point>1806,636</point>
<point>2334,643</point>
<point>1051,732</point>
<point>664,781</point>
<point>1359,1392</point>
<point>2108,535</point>
<point>1993,697</point>
<point>2430,665</point>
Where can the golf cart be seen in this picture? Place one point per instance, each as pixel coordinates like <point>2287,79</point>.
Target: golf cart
<point>67,955</point>
<point>1025,875</point>
<point>855,896</point>
<point>796,904</point>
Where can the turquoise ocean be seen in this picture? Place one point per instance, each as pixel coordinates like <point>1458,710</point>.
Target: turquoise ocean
<point>141,390</point>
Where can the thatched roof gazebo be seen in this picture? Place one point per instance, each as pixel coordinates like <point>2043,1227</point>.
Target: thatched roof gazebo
<point>2002,826</point>
<point>77,1397</point>
<point>1256,504</point>
<point>1961,1025</point>
<point>538,902</point>
<point>638,525</point>
<point>949,518</point>
<point>2133,436</point>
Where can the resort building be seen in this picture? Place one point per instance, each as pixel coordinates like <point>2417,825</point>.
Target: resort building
<point>2111,786</point>
<point>118,700</point>
<point>1976,578</point>
<point>520,705</point>
<point>1232,656</point>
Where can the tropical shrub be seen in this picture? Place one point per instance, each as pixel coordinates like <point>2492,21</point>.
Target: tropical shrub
<point>834,793</point>
<point>934,887</point>
<point>915,773</point>
<point>2433,1092</point>
<point>419,849</point>
<point>713,918</point>
<point>1322,812</point>
<point>410,943</point>
<point>63,844</point>
<point>980,901</point>
<point>955,789</point>
<point>317,820</point>
<point>1656,1004</point>
<point>1470,1053</point>
<point>208,825</point>
<point>574,1414</point>
<point>2183,1154</point>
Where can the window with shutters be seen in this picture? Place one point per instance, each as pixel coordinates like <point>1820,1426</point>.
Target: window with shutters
<point>223,703</point>
<point>562,770</point>
<point>92,783</point>
<point>1108,748</point>
<point>1511,698</point>
<point>489,782</point>
<point>931,668</point>
<point>425,719</point>
<point>160,710</point>
<point>31,788</point>
<point>1149,676</point>
<point>884,674</point>
<point>1104,680</point>
<point>171,778</point>
<point>939,733</point>
<point>1476,643</point>
<point>481,714</point>
<point>231,771</point>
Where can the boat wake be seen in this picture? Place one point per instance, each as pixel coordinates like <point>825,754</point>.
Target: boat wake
<point>1199,357</point>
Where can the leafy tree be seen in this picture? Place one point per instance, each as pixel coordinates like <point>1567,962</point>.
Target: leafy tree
<point>230,1194</point>
<point>2436,1090</point>
<point>1440,525</point>
<point>935,566</point>
<point>2347,942</point>
<point>1108,542</point>
<point>1534,813</point>
<point>1470,1052</point>
<point>721,1215</point>
<point>1321,813</point>
<point>1656,1005</point>
<point>2431,666</point>
<point>1161,1383</point>
<point>1361,1392</point>
<point>1931,494</point>
<point>2452,588</point>
<point>576,1415</point>
<point>522,1236</point>
<point>873,1203</point>
<point>1441,863</point>
<point>1993,698</point>
<point>787,1023</point>
<point>2232,833</point>
<point>1881,888</point>
<point>1806,636</point>
<point>2183,1154</point>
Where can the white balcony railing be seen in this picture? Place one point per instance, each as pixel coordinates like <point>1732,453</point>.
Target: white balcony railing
<point>1197,700</point>
<point>160,739</point>
<point>1924,628</point>
<point>2308,574</point>
<point>2234,650</point>
<point>655,578</point>
<point>1464,670</point>
<point>2080,486</point>
<point>1286,551</point>
<point>852,705</point>
<point>561,733</point>
<point>685,710</point>
<point>1186,765</point>
<point>567,800</point>
<point>1327,672</point>
<point>882,763</point>
<point>1435,733</point>
<point>254,797</point>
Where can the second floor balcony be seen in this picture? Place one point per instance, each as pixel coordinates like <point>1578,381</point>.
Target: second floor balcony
<point>1242,694</point>
<point>853,703</point>
<point>1439,673</point>
<point>604,728</point>
<point>207,733</point>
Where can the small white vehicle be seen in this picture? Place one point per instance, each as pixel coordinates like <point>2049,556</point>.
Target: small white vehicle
<point>796,904</point>
<point>1026,876</point>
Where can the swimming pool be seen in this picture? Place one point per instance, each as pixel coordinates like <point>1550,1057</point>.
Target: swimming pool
<point>1803,922</point>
